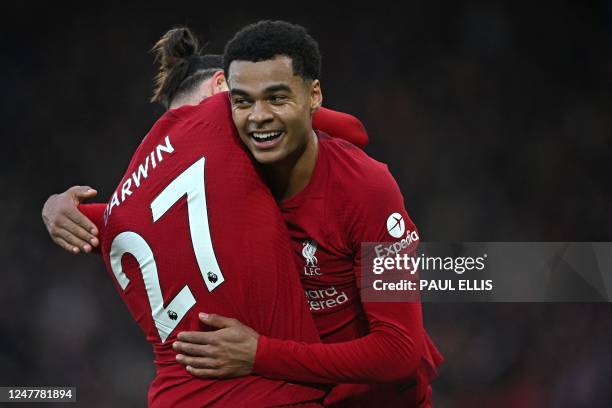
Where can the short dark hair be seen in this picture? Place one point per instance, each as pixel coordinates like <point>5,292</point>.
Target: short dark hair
<point>267,39</point>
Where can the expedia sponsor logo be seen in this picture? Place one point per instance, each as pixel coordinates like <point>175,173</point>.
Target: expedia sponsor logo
<point>397,247</point>
<point>309,253</point>
<point>321,299</point>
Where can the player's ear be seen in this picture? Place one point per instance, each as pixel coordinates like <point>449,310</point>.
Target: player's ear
<point>316,96</point>
<point>203,90</point>
<point>218,83</point>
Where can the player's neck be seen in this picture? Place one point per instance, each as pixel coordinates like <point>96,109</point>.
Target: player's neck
<point>290,176</point>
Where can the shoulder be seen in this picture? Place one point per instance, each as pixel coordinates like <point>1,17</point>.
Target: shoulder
<point>215,109</point>
<point>350,168</point>
<point>364,193</point>
<point>194,123</point>
<point>341,125</point>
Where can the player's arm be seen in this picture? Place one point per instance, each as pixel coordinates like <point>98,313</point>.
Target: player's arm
<point>391,351</point>
<point>342,125</point>
<point>393,348</point>
<point>70,226</point>
<point>95,213</point>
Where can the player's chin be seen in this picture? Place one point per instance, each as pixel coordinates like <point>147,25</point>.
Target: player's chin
<point>267,156</point>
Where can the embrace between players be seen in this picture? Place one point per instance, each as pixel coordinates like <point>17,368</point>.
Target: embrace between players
<point>236,205</point>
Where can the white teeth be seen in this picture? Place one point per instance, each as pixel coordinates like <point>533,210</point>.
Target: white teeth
<point>265,135</point>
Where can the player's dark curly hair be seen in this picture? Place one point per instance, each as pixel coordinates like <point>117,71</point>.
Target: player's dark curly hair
<point>181,67</point>
<point>266,39</point>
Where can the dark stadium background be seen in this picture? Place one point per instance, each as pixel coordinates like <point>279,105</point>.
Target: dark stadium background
<point>495,118</point>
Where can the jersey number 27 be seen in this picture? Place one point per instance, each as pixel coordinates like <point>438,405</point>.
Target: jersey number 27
<point>191,183</point>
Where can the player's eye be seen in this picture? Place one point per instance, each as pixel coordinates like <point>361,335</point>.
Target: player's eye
<point>241,102</point>
<point>277,99</point>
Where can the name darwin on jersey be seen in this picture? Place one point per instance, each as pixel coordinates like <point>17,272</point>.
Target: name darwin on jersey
<point>139,176</point>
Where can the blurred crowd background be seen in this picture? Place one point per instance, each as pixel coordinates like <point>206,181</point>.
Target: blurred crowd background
<point>494,116</point>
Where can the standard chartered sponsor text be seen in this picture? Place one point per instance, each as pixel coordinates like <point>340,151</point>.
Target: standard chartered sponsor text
<point>320,299</point>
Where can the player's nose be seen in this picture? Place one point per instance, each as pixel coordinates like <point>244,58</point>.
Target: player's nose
<point>260,113</point>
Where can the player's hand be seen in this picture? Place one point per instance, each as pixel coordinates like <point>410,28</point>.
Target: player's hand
<point>225,353</point>
<point>67,227</point>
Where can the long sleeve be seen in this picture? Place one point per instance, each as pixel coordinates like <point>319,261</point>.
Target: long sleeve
<point>341,125</point>
<point>95,213</point>
<point>394,347</point>
<point>391,351</point>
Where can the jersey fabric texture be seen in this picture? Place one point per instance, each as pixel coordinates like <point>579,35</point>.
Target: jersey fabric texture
<point>189,174</point>
<point>348,201</point>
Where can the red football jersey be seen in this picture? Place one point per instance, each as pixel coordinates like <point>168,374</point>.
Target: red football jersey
<point>192,228</point>
<point>350,199</point>
<point>334,123</point>
<point>342,125</point>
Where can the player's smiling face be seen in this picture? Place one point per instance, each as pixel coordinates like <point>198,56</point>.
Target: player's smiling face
<point>272,108</point>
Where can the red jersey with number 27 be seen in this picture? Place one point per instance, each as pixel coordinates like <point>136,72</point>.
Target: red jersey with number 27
<point>192,228</point>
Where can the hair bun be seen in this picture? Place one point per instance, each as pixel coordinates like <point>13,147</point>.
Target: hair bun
<point>176,45</point>
<point>181,43</point>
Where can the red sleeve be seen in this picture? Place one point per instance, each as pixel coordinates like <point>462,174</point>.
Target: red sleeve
<point>390,352</point>
<point>341,125</point>
<point>394,347</point>
<point>95,213</point>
